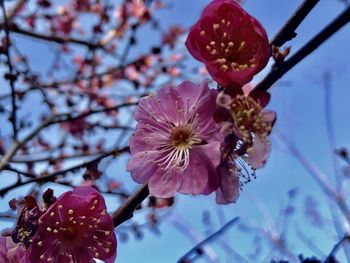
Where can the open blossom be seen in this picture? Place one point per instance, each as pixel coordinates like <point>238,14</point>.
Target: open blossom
<point>176,144</point>
<point>76,228</point>
<point>9,251</point>
<point>251,125</point>
<point>232,44</point>
<point>246,126</point>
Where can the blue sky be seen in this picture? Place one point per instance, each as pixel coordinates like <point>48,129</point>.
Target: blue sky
<point>299,102</point>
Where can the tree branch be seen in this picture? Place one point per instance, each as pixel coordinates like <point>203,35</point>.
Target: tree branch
<point>213,236</point>
<point>53,120</point>
<point>287,32</point>
<point>10,76</point>
<point>126,210</point>
<point>53,176</point>
<point>279,69</point>
<point>331,256</point>
<point>56,38</point>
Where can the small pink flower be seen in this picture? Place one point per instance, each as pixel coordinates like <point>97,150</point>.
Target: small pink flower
<point>64,21</point>
<point>171,36</point>
<point>232,44</point>
<point>252,124</point>
<point>75,127</point>
<point>9,251</point>
<point>176,145</point>
<point>246,127</point>
<point>76,228</point>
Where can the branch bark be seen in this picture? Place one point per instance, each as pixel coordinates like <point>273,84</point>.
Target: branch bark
<point>210,238</point>
<point>126,210</point>
<point>287,32</point>
<point>279,69</point>
<point>53,176</point>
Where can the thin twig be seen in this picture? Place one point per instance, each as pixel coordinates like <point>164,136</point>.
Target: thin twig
<point>329,126</point>
<point>340,228</point>
<point>287,32</point>
<point>309,243</point>
<point>53,176</point>
<point>185,228</point>
<point>279,69</point>
<point>320,178</point>
<point>208,240</point>
<point>56,39</point>
<point>336,248</point>
<point>11,76</point>
<point>12,169</point>
<point>64,117</point>
<point>15,9</point>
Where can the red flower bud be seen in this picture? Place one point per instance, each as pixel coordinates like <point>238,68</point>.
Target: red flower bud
<point>232,44</point>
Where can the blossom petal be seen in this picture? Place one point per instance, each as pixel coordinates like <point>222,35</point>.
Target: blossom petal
<point>228,190</point>
<point>165,184</point>
<point>142,166</point>
<point>259,153</point>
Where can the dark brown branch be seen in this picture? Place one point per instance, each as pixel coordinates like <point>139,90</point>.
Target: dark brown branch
<point>12,169</point>
<point>278,70</point>
<point>10,76</point>
<point>30,159</point>
<point>126,210</point>
<point>336,248</point>
<point>53,120</point>
<point>55,38</point>
<point>287,32</point>
<point>55,175</point>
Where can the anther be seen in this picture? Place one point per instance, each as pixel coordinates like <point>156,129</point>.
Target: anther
<point>241,46</point>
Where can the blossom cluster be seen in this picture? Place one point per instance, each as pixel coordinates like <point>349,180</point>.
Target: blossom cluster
<point>72,228</point>
<point>196,140</point>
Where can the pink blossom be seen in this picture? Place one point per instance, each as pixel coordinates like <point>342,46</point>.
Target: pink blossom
<point>246,126</point>
<point>171,36</point>
<point>251,123</point>
<point>9,251</point>
<point>176,145</point>
<point>132,73</point>
<point>137,8</point>
<point>228,190</point>
<point>76,228</point>
<point>75,127</point>
<point>64,21</point>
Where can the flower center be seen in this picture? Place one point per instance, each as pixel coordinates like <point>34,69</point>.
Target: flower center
<point>181,137</point>
<point>229,54</point>
<point>246,113</point>
<point>177,149</point>
<point>70,233</point>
